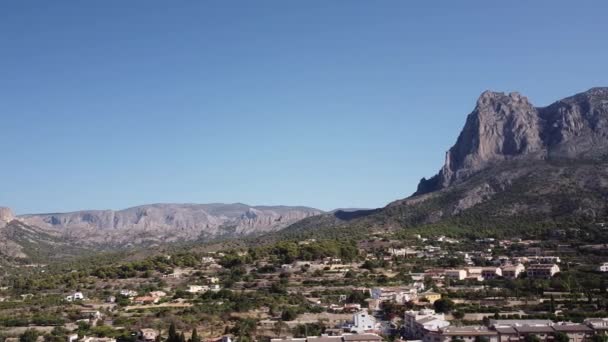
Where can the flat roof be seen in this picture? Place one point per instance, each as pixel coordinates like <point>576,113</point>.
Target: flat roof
<point>572,327</point>
<point>520,322</point>
<point>469,331</point>
<point>325,339</point>
<point>506,330</point>
<point>528,329</point>
<point>540,266</point>
<point>362,337</point>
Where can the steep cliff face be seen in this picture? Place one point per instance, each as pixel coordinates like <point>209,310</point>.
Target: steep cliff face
<point>577,126</point>
<point>505,127</point>
<point>169,222</point>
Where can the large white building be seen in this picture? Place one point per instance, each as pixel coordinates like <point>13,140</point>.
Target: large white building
<point>362,322</point>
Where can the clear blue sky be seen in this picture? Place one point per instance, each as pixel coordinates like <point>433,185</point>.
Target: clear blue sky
<point>110,104</point>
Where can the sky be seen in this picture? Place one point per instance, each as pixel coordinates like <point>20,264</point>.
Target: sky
<point>111,104</point>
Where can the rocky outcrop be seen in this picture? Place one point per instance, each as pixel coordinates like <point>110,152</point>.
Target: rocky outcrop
<point>507,126</point>
<point>6,215</point>
<point>169,222</point>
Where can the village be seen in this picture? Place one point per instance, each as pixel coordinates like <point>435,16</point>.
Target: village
<point>431,289</point>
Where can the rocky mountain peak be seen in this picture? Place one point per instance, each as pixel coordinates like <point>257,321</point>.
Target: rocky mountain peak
<point>490,97</point>
<point>507,126</point>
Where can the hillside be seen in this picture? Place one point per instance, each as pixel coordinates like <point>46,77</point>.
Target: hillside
<point>20,242</point>
<point>514,168</point>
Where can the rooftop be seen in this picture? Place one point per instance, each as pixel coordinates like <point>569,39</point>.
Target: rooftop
<point>541,266</point>
<point>325,339</point>
<point>506,330</point>
<point>520,322</point>
<point>362,337</point>
<point>572,328</point>
<point>533,330</point>
<point>345,338</point>
<point>468,330</point>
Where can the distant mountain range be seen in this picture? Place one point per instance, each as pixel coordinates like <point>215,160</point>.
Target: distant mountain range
<point>513,167</point>
<point>161,223</point>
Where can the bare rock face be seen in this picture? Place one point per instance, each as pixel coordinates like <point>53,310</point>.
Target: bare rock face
<point>6,215</point>
<point>169,222</point>
<point>504,127</point>
<point>578,125</point>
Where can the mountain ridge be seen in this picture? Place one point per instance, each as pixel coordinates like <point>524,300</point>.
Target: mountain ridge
<point>168,222</point>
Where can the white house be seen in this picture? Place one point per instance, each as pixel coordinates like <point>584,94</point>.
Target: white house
<point>207,260</point>
<point>197,288</point>
<point>418,285</point>
<point>75,296</point>
<point>147,335</point>
<point>403,252</point>
<point>128,293</point>
<point>416,323</point>
<point>363,321</point>
<point>603,267</point>
<point>394,295</point>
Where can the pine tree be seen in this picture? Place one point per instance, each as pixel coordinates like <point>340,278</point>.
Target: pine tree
<point>182,337</point>
<point>194,337</point>
<point>173,337</point>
